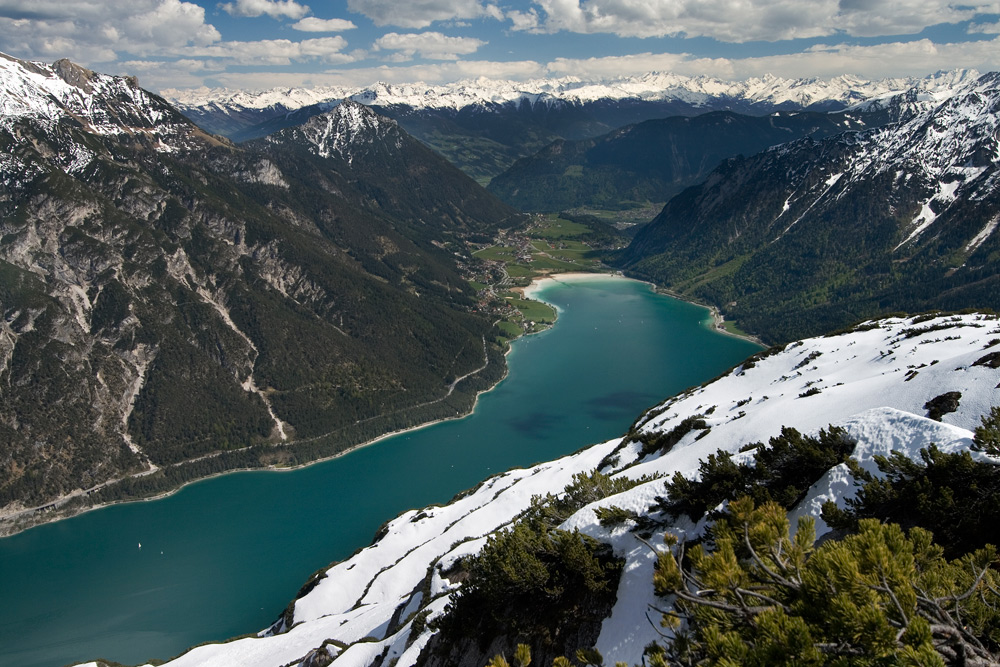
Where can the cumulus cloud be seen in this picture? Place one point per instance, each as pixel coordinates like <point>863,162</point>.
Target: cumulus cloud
<point>313,24</point>
<point>895,59</point>
<point>614,66</point>
<point>430,45</point>
<point>429,73</point>
<point>524,21</point>
<point>149,31</point>
<point>274,51</point>
<point>191,66</point>
<point>985,28</point>
<point>273,8</point>
<point>98,30</point>
<point>158,74</point>
<point>419,13</point>
<point>493,12</point>
<point>749,20</point>
<point>912,58</point>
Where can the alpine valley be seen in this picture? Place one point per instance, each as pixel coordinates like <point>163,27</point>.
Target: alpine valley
<point>176,304</point>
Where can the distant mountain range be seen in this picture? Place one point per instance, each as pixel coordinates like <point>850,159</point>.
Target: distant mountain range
<point>700,92</point>
<point>654,160</point>
<point>174,305</point>
<point>483,126</point>
<point>816,234</point>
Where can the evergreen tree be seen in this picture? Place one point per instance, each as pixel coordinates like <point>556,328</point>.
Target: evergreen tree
<point>987,437</point>
<point>878,597</point>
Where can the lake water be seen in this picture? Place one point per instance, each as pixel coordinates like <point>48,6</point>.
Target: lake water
<point>224,556</point>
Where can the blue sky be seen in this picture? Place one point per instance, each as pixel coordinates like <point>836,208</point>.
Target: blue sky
<point>254,44</point>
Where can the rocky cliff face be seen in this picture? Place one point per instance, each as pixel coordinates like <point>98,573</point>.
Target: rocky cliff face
<point>173,306</point>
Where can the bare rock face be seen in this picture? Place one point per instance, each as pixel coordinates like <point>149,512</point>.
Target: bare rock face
<point>74,74</point>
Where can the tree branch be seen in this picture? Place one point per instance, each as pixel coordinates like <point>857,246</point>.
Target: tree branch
<point>777,578</point>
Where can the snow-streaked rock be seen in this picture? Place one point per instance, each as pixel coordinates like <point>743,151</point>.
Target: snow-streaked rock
<point>342,131</point>
<point>873,381</point>
<point>102,104</point>
<point>949,151</point>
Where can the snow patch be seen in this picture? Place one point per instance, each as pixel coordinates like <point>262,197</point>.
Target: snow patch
<point>924,219</point>
<point>983,234</point>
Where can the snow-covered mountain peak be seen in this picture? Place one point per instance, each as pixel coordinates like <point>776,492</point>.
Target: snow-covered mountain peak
<point>922,95</point>
<point>954,141</point>
<point>342,131</point>
<point>101,104</point>
<point>943,155</point>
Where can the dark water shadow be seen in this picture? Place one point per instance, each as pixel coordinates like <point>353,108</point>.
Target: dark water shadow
<point>620,405</point>
<point>536,425</point>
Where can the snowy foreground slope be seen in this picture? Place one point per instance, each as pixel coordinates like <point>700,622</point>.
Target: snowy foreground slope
<point>874,381</point>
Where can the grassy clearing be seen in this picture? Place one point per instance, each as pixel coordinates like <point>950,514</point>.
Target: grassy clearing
<point>532,310</point>
<point>554,227</point>
<point>520,271</point>
<point>731,327</point>
<point>510,330</point>
<point>631,213</point>
<point>732,266</point>
<point>573,251</point>
<point>542,263</point>
<point>497,253</point>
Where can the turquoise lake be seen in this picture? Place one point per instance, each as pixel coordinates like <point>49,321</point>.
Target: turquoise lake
<point>223,557</point>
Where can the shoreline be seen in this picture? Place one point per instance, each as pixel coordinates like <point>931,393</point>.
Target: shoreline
<point>529,292</point>
<point>538,284</point>
<point>7,530</point>
<point>718,322</point>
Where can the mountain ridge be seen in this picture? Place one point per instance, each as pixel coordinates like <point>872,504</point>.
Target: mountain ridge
<point>654,160</point>
<point>99,103</point>
<point>804,92</point>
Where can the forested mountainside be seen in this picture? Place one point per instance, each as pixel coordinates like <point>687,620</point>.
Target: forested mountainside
<point>816,234</point>
<point>575,558</point>
<point>174,305</point>
<point>483,126</point>
<point>654,160</point>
